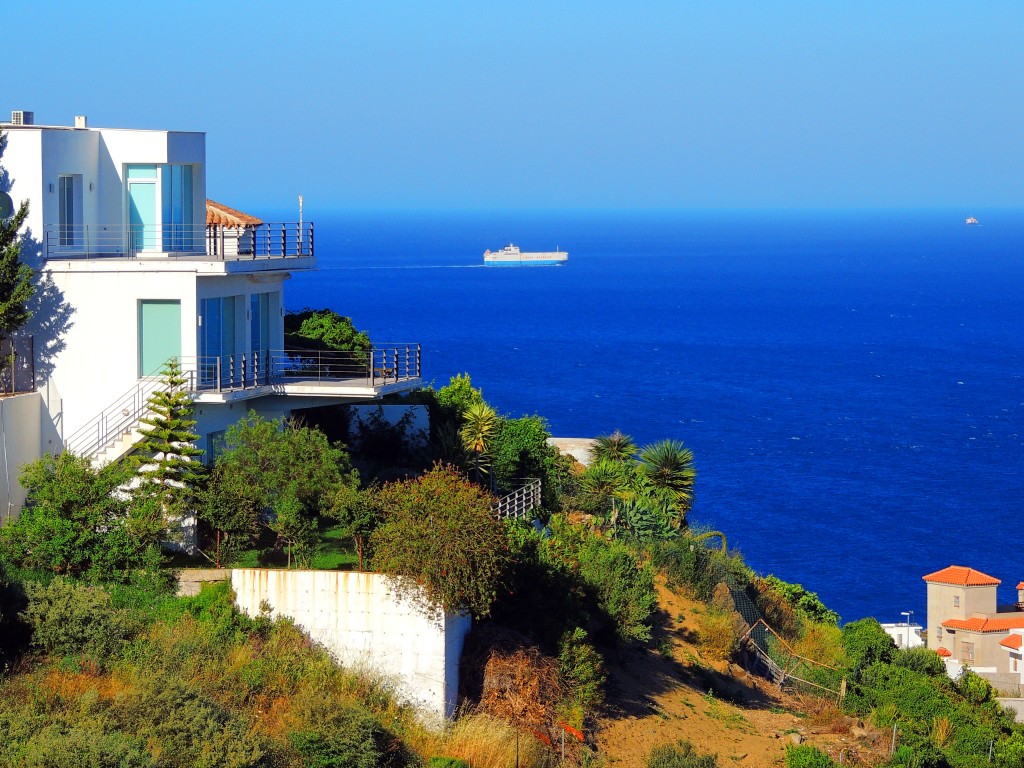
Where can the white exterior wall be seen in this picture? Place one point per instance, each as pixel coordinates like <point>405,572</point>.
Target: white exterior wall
<point>361,623</point>
<point>904,635</point>
<point>21,441</point>
<point>100,359</point>
<point>23,162</point>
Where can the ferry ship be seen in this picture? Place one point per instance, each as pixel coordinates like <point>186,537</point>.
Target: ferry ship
<point>971,221</point>
<point>511,256</point>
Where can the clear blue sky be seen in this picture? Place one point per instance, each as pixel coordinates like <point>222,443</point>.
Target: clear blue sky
<point>550,104</point>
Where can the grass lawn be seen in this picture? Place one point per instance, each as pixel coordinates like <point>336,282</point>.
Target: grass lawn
<point>335,553</point>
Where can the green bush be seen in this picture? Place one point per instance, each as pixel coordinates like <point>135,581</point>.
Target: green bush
<point>920,752</point>
<point>83,744</point>
<point>921,659</point>
<point>806,756</point>
<point>348,737</point>
<point>582,667</point>
<point>624,586</point>
<point>806,603</point>
<point>680,755</point>
<point>447,762</point>
<point>441,542</point>
<point>866,643</point>
<point>69,618</point>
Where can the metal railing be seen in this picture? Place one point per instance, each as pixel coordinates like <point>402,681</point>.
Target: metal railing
<point>114,421</point>
<point>17,365</point>
<point>382,364</point>
<point>520,502</point>
<point>257,241</point>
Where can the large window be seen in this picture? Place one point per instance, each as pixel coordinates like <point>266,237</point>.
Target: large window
<point>159,334</point>
<point>160,201</point>
<point>259,321</point>
<point>216,337</point>
<point>69,204</point>
<point>967,653</point>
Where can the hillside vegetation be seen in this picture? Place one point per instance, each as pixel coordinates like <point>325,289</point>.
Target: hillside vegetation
<point>608,633</point>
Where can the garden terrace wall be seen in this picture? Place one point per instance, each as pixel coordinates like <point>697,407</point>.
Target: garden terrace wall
<point>358,618</point>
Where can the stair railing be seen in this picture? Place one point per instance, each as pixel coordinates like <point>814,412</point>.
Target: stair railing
<point>114,421</point>
<point>521,502</point>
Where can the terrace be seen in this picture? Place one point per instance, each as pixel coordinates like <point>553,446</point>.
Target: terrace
<point>206,242</point>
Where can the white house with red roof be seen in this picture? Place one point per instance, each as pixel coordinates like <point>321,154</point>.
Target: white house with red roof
<point>967,627</point>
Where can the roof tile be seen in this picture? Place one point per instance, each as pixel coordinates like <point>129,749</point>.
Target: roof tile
<point>223,216</point>
<point>984,624</point>
<point>1012,641</point>
<point>943,652</point>
<point>961,576</point>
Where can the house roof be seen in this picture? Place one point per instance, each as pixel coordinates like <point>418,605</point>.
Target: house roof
<point>1021,585</point>
<point>1013,642</point>
<point>943,652</point>
<point>961,576</point>
<point>222,216</point>
<point>985,624</point>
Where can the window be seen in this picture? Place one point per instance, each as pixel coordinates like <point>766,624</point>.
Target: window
<point>259,321</point>
<point>69,194</point>
<point>938,633</point>
<point>967,653</point>
<point>1015,660</point>
<point>214,446</point>
<point>956,601</point>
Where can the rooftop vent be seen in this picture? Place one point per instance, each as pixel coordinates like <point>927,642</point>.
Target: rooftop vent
<point>81,121</point>
<point>21,117</point>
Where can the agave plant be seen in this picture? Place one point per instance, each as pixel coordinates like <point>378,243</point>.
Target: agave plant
<point>479,423</point>
<point>668,465</point>
<point>615,447</point>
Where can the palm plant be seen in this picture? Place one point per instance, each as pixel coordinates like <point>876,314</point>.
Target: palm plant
<point>479,423</point>
<point>669,467</point>
<point>603,482</point>
<point>615,447</point>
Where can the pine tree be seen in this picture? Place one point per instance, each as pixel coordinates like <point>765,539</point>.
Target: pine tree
<point>16,286</point>
<point>167,460</point>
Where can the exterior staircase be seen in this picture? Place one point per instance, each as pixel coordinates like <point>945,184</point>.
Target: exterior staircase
<point>115,430</point>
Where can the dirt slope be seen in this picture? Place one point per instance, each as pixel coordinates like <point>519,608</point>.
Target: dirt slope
<point>658,697</point>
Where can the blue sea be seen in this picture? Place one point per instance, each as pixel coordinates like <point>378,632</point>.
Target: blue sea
<point>851,383</point>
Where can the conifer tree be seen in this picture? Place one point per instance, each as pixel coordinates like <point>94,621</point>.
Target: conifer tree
<point>16,287</point>
<point>167,460</point>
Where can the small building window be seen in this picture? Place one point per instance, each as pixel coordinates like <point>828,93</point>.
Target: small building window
<point>938,633</point>
<point>1015,660</point>
<point>215,443</point>
<point>956,601</point>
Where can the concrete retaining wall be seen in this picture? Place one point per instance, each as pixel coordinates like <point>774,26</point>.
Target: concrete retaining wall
<point>363,625</point>
<point>20,442</point>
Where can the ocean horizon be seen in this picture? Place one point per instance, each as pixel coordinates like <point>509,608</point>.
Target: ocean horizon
<point>850,381</point>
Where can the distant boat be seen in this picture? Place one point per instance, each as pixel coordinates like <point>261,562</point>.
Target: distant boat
<point>970,221</point>
<point>511,256</point>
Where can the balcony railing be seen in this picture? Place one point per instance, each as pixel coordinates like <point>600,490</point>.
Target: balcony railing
<point>262,241</point>
<point>383,364</point>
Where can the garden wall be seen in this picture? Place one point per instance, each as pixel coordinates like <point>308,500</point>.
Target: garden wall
<point>359,620</point>
<point>20,442</point>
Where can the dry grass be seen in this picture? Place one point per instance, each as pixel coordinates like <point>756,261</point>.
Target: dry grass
<point>822,643</point>
<point>941,731</point>
<point>484,741</point>
<point>720,633</point>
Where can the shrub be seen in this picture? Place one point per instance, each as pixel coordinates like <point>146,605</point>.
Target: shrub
<point>440,534</point>
<point>921,659</point>
<point>85,743</point>
<point>582,667</point>
<point>805,602</point>
<point>680,755</point>
<point>973,687</point>
<point>68,618</point>
<point>623,584</point>
<point>866,643</point>
<point>1010,751</point>
<point>350,738</point>
<point>447,762</point>
<point>806,756</point>
<point>718,632</point>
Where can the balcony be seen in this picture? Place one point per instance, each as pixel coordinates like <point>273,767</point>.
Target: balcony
<point>205,242</point>
<point>384,369</point>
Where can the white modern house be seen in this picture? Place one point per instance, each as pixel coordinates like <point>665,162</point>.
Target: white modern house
<point>131,275</point>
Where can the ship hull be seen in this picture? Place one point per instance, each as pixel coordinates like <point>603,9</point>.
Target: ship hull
<point>549,259</point>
